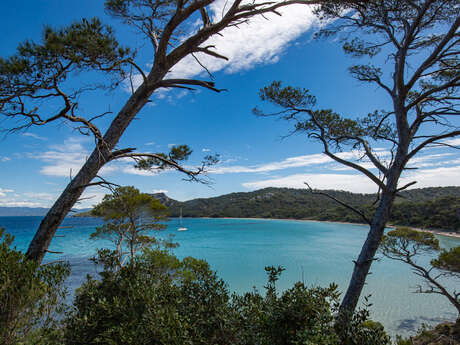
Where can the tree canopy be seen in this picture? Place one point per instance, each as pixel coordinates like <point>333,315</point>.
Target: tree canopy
<point>405,244</point>
<point>129,216</point>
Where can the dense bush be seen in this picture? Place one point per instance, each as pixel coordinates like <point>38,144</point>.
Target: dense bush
<point>31,297</point>
<point>160,299</point>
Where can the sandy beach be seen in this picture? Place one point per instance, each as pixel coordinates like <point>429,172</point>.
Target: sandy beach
<point>440,233</point>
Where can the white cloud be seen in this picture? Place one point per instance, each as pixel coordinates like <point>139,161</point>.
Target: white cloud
<point>349,182</point>
<point>429,160</point>
<point>171,145</point>
<point>4,191</point>
<point>4,203</point>
<point>321,160</point>
<point>150,143</point>
<point>439,177</point>
<point>35,136</point>
<point>4,159</point>
<point>29,199</point>
<point>160,191</point>
<point>206,150</point>
<point>426,161</point>
<point>291,162</point>
<point>91,197</point>
<point>40,196</point>
<point>129,169</point>
<point>65,159</point>
<point>260,41</point>
<point>453,142</point>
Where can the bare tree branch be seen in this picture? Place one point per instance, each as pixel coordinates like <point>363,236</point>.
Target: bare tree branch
<point>355,210</point>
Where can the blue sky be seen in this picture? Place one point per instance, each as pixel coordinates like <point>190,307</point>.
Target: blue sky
<point>35,165</point>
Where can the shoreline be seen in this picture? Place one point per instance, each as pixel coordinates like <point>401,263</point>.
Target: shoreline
<point>433,231</point>
<point>440,232</point>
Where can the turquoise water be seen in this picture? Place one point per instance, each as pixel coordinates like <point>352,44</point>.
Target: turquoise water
<point>239,249</point>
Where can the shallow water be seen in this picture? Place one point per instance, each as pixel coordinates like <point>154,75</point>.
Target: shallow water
<point>239,249</point>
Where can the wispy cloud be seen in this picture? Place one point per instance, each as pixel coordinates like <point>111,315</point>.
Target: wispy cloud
<point>432,160</point>
<point>91,197</point>
<point>291,162</point>
<point>17,203</point>
<point>319,160</point>
<point>357,183</point>
<point>29,199</point>
<point>129,169</point>
<point>160,191</point>
<point>4,191</point>
<point>453,142</point>
<point>64,159</point>
<point>425,161</point>
<point>4,159</point>
<point>206,150</point>
<point>349,182</point>
<point>439,177</point>
<point>67,158</point>
<point>35,136</point>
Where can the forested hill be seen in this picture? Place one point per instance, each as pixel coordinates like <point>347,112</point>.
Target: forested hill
<point>435,207</point>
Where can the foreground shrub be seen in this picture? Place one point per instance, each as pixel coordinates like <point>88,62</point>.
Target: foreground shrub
<point>443,334</point>
<point>31,297</point>
<point>159,299</point>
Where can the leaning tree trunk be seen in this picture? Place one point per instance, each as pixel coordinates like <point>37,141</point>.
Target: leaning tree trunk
<point>369,249</point>
<point>100,156</point>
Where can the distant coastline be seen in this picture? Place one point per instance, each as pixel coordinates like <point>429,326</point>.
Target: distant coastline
<point>433,231</point>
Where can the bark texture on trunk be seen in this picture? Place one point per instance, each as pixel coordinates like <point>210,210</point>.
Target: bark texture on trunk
<point>374,238</point>
<point>100,156</point>
<point>370,247</point>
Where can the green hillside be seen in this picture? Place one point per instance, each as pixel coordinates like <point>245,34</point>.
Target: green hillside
<point>434,207</point>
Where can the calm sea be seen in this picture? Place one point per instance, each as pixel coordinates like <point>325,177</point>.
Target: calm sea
<point>239,249</point>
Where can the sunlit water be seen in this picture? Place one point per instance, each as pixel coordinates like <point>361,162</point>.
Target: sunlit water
<point>239,249</point>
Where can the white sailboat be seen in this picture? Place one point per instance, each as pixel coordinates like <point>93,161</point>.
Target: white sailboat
<point>181,228</point>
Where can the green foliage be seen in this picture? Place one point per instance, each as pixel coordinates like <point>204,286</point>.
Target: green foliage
<point>406,245</point>
<point>157,300</point>
<point>137,12</point>
<point>405,241</point>
<point>443,334</point>
<point>37,67</point>
<point>442,212</point>
<point>128,202</point>
<point>288,96</point>
<point>177,153</point>
<point>129,215</point>
<point>31,297</point>
<point>163,300</point>
<point>448,260</point>
<point>172,160</point>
